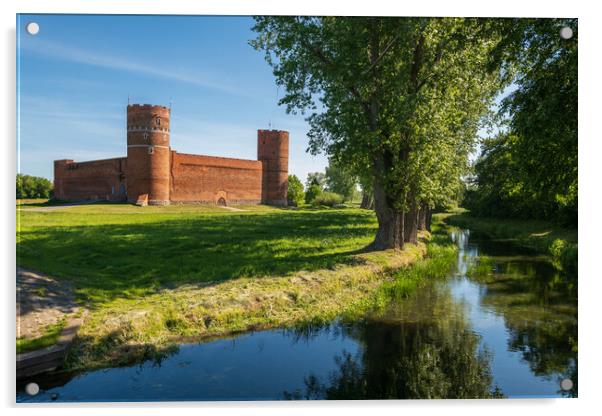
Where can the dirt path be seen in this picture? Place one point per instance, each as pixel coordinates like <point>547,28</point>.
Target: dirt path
<point>41,301</point>
<point>54,207</point>
<point>231,208</point>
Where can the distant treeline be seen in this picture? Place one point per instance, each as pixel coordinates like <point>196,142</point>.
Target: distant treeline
<point>33,187</point>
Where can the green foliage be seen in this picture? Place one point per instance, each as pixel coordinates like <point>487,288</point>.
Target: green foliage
<point>312,192</point>
<point>30,187</point>
<point>565,255</point>
<point>481,268</point>
<point>398,99</point>
<point>341,180</point>
<point>530,171</point>
<point>295,191</point>
<point>316,178</point>
<point>328,199</point>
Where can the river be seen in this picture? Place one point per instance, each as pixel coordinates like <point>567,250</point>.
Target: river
<point>503,324</point>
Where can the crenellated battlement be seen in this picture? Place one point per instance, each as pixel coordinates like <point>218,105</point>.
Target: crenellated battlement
<point>147,106</point>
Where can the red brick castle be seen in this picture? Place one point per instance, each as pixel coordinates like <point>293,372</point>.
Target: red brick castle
<point>153,172</point>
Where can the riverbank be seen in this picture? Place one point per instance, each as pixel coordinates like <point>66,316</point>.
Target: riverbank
<point>153,278</point>
<point>541,236</point>
<point>126,331</point>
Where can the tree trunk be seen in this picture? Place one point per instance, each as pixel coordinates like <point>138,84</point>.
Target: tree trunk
<point>411,224</point>
<point>367,201</point>
<point>390,222</point>
<point>422,217</point>
<point>429,216</point>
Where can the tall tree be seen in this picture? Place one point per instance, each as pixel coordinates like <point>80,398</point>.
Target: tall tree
<point>382,94</point>
<point>316,178</point>
<point>340,180</point>
<point>530,170</point>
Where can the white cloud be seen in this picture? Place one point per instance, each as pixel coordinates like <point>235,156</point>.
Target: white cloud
<point>68,53</point>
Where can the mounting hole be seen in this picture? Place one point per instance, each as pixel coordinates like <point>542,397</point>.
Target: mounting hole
<point>32,28</point>
<point>32,389</point>
<point>566,384</point>
<point>566,32</point>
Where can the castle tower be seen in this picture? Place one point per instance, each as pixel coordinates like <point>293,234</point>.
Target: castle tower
<point>148,156</point>
<point>272,151</point>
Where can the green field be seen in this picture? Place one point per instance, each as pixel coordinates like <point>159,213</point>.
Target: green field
<point>111,250</point>
<point>151,277</point>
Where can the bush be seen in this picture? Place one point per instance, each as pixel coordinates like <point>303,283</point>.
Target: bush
<point>329,199</point>
<point>295,191</point>
<point>33,187</point>
<point>313,191</point>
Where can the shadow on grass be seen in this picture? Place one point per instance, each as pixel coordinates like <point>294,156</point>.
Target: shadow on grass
<point>129,259</point>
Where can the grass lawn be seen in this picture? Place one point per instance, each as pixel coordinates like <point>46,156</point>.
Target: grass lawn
<point>115,250</point>
<point>153,276</point>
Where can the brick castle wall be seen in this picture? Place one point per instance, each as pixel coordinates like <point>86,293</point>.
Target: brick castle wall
<point>93,180</point>
<point>152,168</point>
<point>206,179</point>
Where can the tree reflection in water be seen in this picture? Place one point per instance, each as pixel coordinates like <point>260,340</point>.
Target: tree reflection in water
<point>539,306</point>
<point>424,346</point>
<point>421,348</point>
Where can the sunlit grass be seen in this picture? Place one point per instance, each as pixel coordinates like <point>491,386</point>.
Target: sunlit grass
<point>154,276</point>
<point>115,250</point>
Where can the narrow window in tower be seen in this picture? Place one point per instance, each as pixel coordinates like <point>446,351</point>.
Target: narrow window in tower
<point>151,150</point>
<point>145,136</point>
<point>158,121</point>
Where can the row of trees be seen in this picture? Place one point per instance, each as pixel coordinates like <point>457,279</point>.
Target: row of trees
<point>33,187</point>
<point>530,169</point>
<point>397,101</point>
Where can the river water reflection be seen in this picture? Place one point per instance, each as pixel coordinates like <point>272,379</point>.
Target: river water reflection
<point>504,323</point>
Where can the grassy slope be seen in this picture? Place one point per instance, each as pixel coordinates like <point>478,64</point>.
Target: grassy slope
<point>156,274</point>
<point>540,236</point>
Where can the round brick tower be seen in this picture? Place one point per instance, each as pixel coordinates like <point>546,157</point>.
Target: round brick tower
<point>149,154</point>
<point>272,151</point>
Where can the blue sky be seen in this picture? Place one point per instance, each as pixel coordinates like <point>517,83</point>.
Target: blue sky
<point>75,75</point>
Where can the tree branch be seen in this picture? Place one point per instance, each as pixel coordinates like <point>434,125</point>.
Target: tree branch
<point>327,61</point>
<point>382,54</point>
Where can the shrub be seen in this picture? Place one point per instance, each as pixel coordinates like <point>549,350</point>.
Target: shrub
<point>295,191</point>
<point>565,255</point>
<point>313,191</point>
<point>328,199</point>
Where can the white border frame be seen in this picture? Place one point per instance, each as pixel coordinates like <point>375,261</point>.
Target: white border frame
<point>590,176</point>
